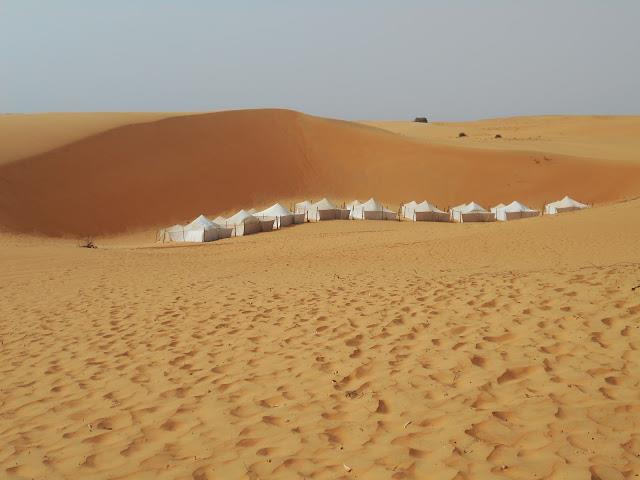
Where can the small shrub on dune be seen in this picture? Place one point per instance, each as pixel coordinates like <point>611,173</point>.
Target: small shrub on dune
<point>421,120</point>
<point>462,134</point>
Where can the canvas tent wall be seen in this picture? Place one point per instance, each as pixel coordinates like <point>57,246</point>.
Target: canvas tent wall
<point>354,204</point>
<point>303,207</point>
<point>567,204</point>
<point>199,230</point>
<point>371,210</point>
<point>244,223</point>
<point>278,214</point>
<point>424,212</point>
<point>324,210</point>
<point>300,211</point>
<point>514,211</point>
<point>471,212</point>
<point>406,211</point>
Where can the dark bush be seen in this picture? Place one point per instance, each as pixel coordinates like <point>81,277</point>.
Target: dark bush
<point>498,136</point>
<point>87,243</point>
<point>421,120</point>
<point>462,134</point>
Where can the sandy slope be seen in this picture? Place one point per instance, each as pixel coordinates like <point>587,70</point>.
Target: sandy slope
<point>23,135</point>
<point>600,137</point>
<point>399,350</point>
<point>158,173</point>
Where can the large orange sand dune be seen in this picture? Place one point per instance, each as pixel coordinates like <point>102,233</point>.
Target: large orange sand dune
<point>157,173</point>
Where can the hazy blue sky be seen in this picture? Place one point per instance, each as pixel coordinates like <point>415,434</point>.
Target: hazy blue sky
<point>352,59</point>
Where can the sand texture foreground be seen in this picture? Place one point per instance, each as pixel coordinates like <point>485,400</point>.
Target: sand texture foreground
<point>369,350</point>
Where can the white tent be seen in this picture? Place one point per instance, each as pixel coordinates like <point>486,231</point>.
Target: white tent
<point>406,210</point>
<point>471,212</point>
<point>371,210</point>
<point>513,211</point>
<point>565,205</point>
<point>351,205</point>
<point>497,207</point>
<point>326,210</point>
<point>303,207</point>
<point>199,230</point>
<point>300,211</point>
<point>276,213</point>
<point>423,212</point>
<point>245,224</point>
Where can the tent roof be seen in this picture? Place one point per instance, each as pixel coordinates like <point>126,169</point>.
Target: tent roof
<point>220,220</point>
<point>372,205</point>
<point>567,202</point>
<point>304,204</point>
<point>275,210</point>
<point>202,222</point>
<point>471,207</point>
<point>325,204</point>
<point>516,206</point>
<point>426,207</point>
<point>353,204</point>
<point>242,217</point>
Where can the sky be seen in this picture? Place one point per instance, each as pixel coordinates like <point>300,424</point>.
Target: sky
<point>351,59</point>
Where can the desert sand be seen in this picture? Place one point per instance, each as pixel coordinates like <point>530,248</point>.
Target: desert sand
<point>340,349</point>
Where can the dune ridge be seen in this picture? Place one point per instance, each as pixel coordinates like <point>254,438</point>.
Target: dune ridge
<point>25,135</point>
<point>162,172</point>
<point>600,137</point>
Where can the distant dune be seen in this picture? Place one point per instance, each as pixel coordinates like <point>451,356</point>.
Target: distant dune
<point>599,137</point>
<point>142,175</point>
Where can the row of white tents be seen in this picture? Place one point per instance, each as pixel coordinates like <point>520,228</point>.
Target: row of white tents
<point>277,216</point>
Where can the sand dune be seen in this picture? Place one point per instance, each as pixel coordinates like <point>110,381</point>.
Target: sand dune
<point>612,138</point>
<point>158,173</point>
<point>398,350</point>
<point>24,135</point>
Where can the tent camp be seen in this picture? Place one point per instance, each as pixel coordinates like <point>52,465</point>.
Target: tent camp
<point>371,210</point>
<point>199,230</point>
<point>565,205</point>
<point>277,213</point>
<point>244,223</point>
<point>471,212</point>
<point>423,212</point>
<point>513,211</point>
